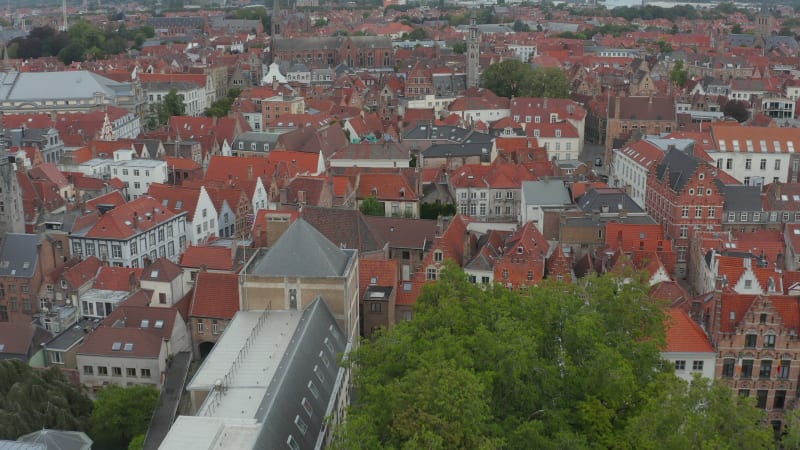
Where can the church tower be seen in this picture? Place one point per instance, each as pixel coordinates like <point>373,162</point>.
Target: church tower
<point>473,53</point>
<point>763,26</point>
<point>275,19</point>
<point>11,214</point>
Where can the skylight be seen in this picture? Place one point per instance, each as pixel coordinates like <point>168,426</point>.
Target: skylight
<point>154,274</point>
<point>116,346</point>
<point>128,347</point>
<point>145,323</point>
<point>159,324</point>
<point>2,347</point>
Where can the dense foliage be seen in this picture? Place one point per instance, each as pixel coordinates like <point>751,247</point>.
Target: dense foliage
<point>83,40</point>
<point>222,106</point>
<point>554,366</point>
<point>121,414</point>
<point>31,400</point>
<point>514,78</point>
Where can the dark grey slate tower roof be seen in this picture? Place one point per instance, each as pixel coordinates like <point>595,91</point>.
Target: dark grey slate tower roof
<point>302,251</point>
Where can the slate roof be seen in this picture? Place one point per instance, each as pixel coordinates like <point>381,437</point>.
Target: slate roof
<point>446,132</point>
<point>346,227</point>
<point>19,255</point>
<point>546,192</point>
<point>282,402</point>
<point>75,84</point>
<point>484,150</point>
<point>302,251</point>
<point>615,199</point>
<point>681,168</point>
<point>330,43</point>
<point>741,197</point>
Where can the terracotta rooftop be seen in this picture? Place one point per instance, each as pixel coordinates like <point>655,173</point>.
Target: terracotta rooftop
<point>216,295</point>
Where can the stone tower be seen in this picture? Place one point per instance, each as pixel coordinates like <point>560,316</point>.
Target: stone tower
<point>275,19</point>
<point>12,219</point>
<point>473,53</point>
<point>763,26</point>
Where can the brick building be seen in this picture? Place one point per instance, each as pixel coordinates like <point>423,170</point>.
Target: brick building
<point>371,52</point>
<point>215,300</point>
<point>646,115</point>
<point>756,341</point>
<point>24,260</point>
<point>682,195</point>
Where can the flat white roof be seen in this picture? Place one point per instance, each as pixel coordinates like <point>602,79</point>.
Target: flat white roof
<point>200,433</point>
<point>104,295</point>
<point>138,162</point>
<point>95,162</point>
<point>244,359</point>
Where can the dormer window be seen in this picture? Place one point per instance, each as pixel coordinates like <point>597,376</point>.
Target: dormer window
<point>558,133</point>
<point>520,250</point>
<point>402,192</point>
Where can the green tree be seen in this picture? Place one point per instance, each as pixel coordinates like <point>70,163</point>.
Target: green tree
<point>515,78</point>
<point>221,107</point>
<point>137,443</point>
<point>736,29</point>
<point>34,399</point>
<point>460,47</point>
<point>736,109</point>
<point>418,34</point>
<point>122,413</point>
<point>699,415</point>
<point>555,366</point>
<point>372,207</point>
<point>678,74</point>
<point>520,26</point>
<point>171,105</point>
<point>664,46</point>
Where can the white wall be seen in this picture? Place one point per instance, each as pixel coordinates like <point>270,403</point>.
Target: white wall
<point>708,360</point>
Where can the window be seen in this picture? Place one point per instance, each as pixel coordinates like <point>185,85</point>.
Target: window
<point>748,284</point>
<point>200,326</point>
<point>748,164</point>
<point>750,340</point>
<point>731,217</point>
<point>56,357</point>
<point>712,212</point>
<point>729,164</point>
<point>214,327</point>
<point>744,392</point>
<point>765,371</point>
<point>761,397</point>
<point>307,406</point>
<point>744,217</point>
<point>130,371</point>
<point>300,425</point>
<point>292,443</point>
<point>783,369</point>
<point>777,164</point>
<point>762,164</point>
<point>438,255</point>
<point>102,370</point>
<point>697,366</point>
<point>747,368</point>
<point>680,365</point>
<point>685,212</point>
<point>728,367</point>
<point>162,298</point>
<point>698,211</point>
<point>116,371</point>
<point>780,399</point>
<point>144,373</point>
<point>116,251</point>
<point>430,274</point>
<point>88,370</point>
<point>530,275</point>
<point>684,231</point>
<point>375,307</point>
<point>769,341</point>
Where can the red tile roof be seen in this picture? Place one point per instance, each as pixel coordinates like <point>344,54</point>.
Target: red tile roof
<point>112,198</point>
<point>176,198</point>
<point>213,257</point>
<point>128,220</point>
<point>101,341</point>
<point>216,295</point>
<point>684,335</point>
<point>389,186</point>
<point>82,272</point>
<point>117,278</point>
<point>383,272</point>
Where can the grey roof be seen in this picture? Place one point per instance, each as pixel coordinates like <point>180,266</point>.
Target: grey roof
<point>681,167</point>
<point>72,335</point>
<point>545,192</point>
<point>749,40</point>
<point>257,137</point>
<point>449,84</point>
<point>593,221</point>
<point>615,200</point>
<point>14,445</point>
<point>449,133</point>
<point>290,384</point>
<point>77,84</point>
<point>484,150</point>
<point>347,228</point>
<point>302,251</point>
<point>741,197</point>
<point>19,255</point>
<point>168,85</point>
<point>329,43</point>
<point>59,440</point>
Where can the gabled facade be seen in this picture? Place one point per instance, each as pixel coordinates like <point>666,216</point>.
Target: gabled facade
<point>522,261</point>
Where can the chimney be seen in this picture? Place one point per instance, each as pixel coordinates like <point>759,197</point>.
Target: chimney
<point>650,99</point>
<point>132,280</point>
<point>250,172</point>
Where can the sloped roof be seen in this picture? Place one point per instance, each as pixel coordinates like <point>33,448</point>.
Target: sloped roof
<point>161,269</point>
<point>684,335</point>
<point>213,257</point>
<point>59,440</point>
<point>100,342</point>
<point>111,278</point>
<point>680,166</point>
<point>216,295</point>
<point>346,227</point>
<point>19,255</point>
<point>302,251</point>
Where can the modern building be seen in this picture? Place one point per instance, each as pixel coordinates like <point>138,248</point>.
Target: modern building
<point>271,381</point>
<point>137,173</point>
<point>688,348</point>
<point>68,91</point>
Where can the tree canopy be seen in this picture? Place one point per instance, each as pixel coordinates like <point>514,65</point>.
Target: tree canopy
<point>121,414</point>
<point>736,109</point>
<point>222,106</point>
<point>34,399</point>
<point>372,207</point>
<point>678,74</point>
<point>554,366</point>
<point>518,79</point>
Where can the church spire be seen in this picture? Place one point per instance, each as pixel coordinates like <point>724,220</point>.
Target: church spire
<point>275,19</point>
<point>473,52</point>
